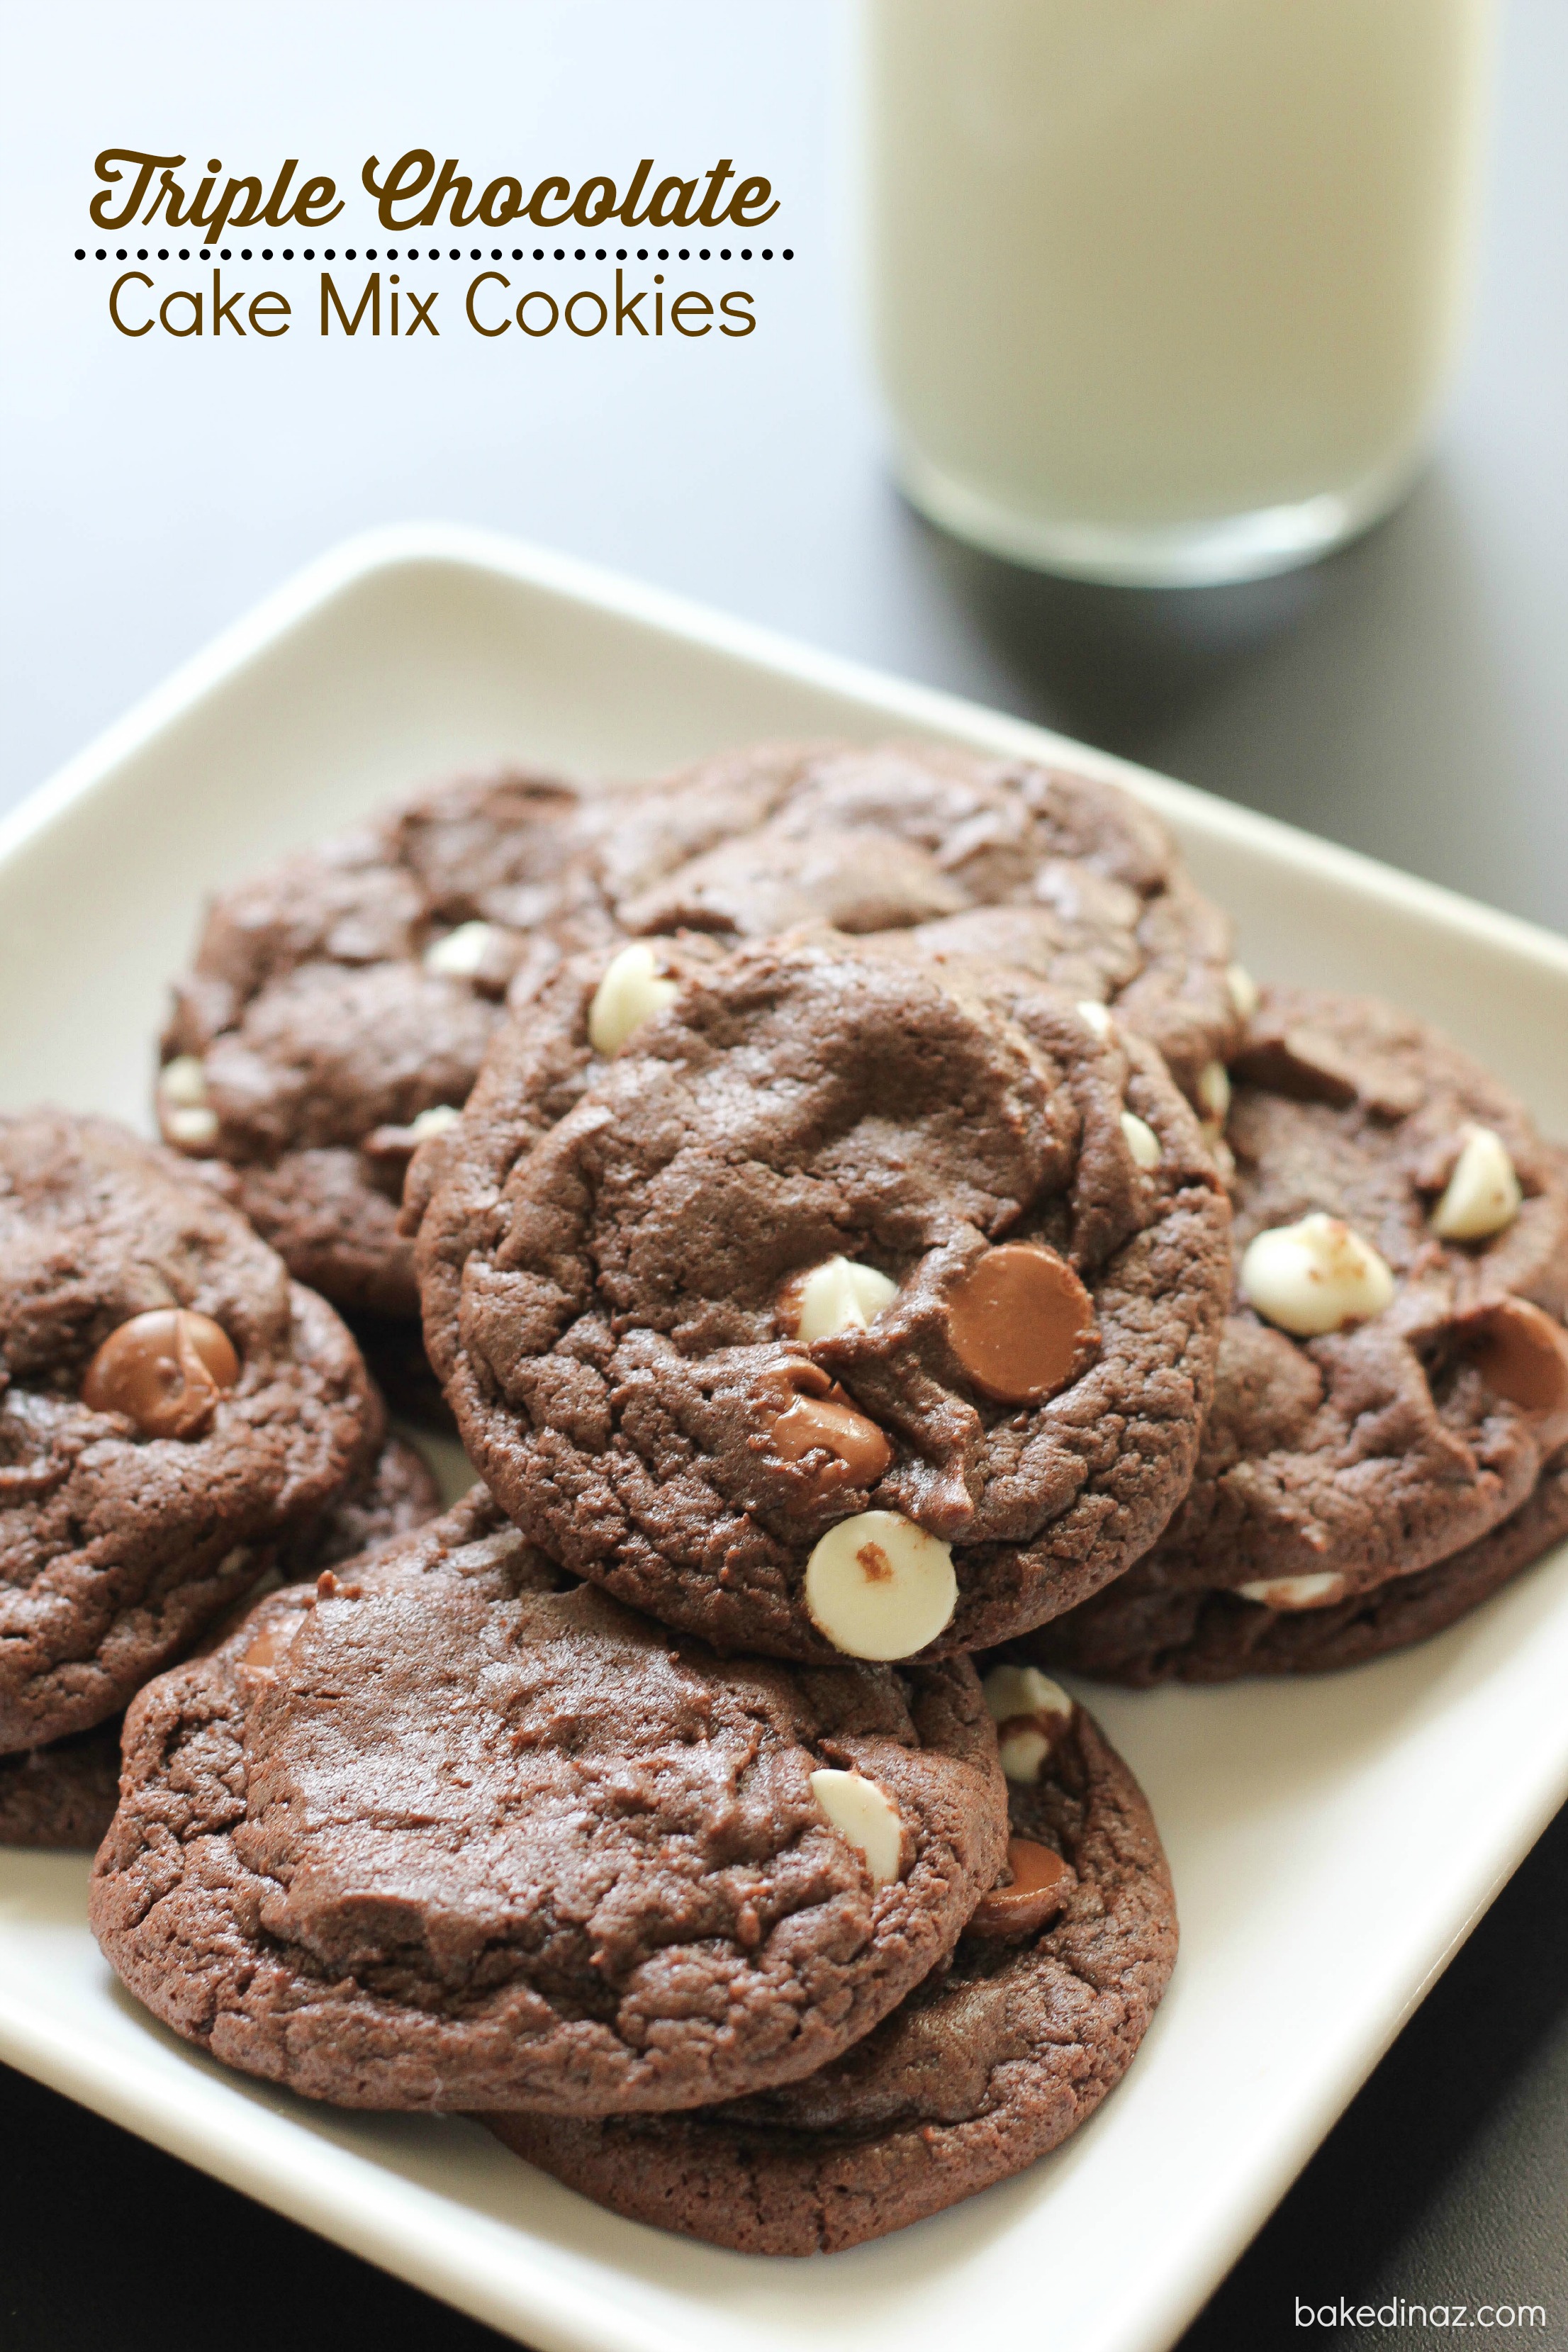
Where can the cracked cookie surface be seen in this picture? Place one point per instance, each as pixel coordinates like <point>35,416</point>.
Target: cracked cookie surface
<point>64,1793</point>
<point>456,1833</point>
<point>340,1002</point>
<point>121,1542</point>
<point>607,1250</point>
<point>994,2060</point>
<point>1066,876</point>
<point>342,995</point>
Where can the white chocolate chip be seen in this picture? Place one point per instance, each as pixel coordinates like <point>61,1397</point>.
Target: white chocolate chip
<point>1022,1751</point>
<point>840,1295</point>
<point>1243,990</point>
<point>192,1131</point>
<point>459,955</point>
<point>862,1812</point>
<point>1025,1703</point>
<point>1022,1690</point>
<point>632,991</point>
<point>1214,1091</point>
<point>1095,1016</point>
<point>1315,1276</point>
<point>183,1109</point>
<point>434,1121</point>
<point>1483,1193</point>
<point>878,1587</point>
<point>1295,1592</point>
<point>184,1082</point>
<point>1142,1140</point>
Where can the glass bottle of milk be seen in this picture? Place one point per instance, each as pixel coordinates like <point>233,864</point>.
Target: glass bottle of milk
<point>1168,291</point>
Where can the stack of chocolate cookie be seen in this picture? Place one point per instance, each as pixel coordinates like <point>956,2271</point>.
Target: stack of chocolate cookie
<point>857,1218</point>
<point>178,1422</point>
<point>1388,1441</point>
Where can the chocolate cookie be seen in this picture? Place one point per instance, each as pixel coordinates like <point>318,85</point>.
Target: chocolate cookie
<point>397,1495</point>
<point>992,2061</point>
<point>171,1409</point>
<point>339,1003</point>
<point>453,1835</point>
<point>63,1794</point>
<point>1395,1373</point>
<point>861,1304</point>
<point>1069,878</point>
<point>565,1025</point>
<point>394,1350</point>
<point>1143,1631</point>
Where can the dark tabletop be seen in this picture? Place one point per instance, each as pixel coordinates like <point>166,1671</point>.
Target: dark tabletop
<point>1409,697</point>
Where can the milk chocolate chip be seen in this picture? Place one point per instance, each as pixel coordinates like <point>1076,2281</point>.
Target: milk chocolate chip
<point>1041,1884</point>
<point>1522,1353</point>
<point>164,1370</point>
<point>265,1651</point>
<point>807,1412</point>
<point>1021,1323</point>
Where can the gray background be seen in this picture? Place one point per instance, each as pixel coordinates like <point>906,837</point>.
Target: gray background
<point>1409,697</point>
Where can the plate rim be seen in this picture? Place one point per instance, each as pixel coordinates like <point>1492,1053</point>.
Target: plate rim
<point>351,562</point>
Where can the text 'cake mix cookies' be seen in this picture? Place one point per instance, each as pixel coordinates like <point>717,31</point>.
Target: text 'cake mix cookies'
<point>860,1305</point>
<point>1392,1383</point>
<point>1066,877</point>
<point>172,1409</point>
<point>992,2062</point>
<point>339,1005</point>
<point>447,1832</point>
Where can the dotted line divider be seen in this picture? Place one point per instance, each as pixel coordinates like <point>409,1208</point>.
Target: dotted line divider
<point>436,252</point>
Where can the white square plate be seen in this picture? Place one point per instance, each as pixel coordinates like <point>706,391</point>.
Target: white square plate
<point>1331,1841</point>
